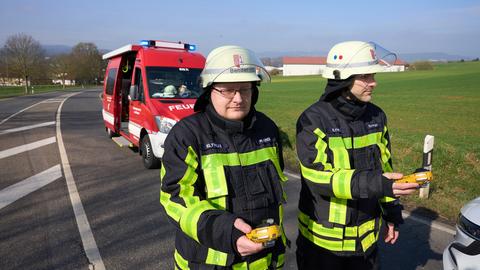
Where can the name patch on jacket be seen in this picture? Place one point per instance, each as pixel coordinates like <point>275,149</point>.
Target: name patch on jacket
<point>372,125</point>
<point>212,145</point>
<point>336,130</point>
<point>264,140</point>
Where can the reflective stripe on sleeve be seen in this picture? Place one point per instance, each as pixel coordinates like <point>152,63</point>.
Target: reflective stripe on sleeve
<point>180,261</point>
<point>341,184</point>
<point>216,257</point>
<point>190,217</point>
<point>189,178</point>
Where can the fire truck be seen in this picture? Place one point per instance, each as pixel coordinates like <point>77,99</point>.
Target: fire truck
<point>147,89</point>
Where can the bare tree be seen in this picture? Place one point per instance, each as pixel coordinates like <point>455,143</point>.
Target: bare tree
<point>60,67</point>
<point>86,62</point>
<point>25,57</point>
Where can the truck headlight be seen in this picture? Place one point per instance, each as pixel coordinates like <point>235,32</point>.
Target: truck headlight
<point>164,124</point>
<point>468,227</point>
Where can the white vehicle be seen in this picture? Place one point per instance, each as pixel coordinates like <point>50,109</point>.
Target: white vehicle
<point>464,251</point>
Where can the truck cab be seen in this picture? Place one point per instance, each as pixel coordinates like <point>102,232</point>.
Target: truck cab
<point>147,89</point>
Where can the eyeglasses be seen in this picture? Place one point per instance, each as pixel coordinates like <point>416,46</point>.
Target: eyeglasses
<point>230,93</point>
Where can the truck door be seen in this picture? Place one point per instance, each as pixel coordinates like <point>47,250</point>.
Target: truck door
<point>110,101</point>
<point>135,110</point>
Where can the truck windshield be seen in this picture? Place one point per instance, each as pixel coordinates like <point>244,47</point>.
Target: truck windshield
<point>169,82</point>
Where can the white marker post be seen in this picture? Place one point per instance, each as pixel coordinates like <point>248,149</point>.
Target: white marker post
<point>427,163</point>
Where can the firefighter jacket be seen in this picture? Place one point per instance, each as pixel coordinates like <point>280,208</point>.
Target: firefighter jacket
<point>343,150</point>
<point>214,171</point>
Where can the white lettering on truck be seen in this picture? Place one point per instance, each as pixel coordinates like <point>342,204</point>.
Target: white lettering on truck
<point>180,107</point>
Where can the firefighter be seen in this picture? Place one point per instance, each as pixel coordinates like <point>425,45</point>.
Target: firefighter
<point>343,146</point>
<point>222,171</point>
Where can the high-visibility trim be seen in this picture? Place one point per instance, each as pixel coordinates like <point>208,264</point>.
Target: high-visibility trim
<point>366,227</point>
<point>340,153</point>
<point>351,231</point>
<point>367,140</point>
<point>174,210</point>
<point>321,147</point>
<point>319,177</point>
<point>283,235</point>
<point>188,180</point>
<point>387,199</point>
<point>318,228</point>
<point>213,167</point>
<point>216,257</point>
<point>260,264</point>
<point>333,245</point>
<point>368,241</point>
<point>180,261</point>
<point>338,211</point>
<point>341,184</point>
<point>219,202</point>
<point>385,153</point>
<point>189,219</point>
<point>280,260</point>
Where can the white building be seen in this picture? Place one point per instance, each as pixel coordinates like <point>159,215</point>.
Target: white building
<point>296,66</point>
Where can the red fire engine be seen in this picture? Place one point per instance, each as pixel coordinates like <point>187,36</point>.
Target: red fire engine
<point>147,89</point>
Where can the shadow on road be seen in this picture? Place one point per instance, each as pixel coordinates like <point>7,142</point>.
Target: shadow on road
<point>414,248</point>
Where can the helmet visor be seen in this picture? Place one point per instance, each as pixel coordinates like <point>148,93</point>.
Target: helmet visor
<point>385,57</point>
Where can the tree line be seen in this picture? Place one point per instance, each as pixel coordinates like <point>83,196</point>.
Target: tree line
<point>22,59</point>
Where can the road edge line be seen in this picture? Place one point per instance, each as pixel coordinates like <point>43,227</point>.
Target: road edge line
<point>406,214</point>
<point>88,241</point>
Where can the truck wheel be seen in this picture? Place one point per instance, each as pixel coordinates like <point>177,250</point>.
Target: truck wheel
<point>149,159</point>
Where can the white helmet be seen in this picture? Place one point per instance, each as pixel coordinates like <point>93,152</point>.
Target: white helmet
<point>356,57</point>
<point>233,64</point>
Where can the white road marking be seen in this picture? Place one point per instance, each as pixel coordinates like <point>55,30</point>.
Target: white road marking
<point>26,147</point>
<point>26,127</point>
<point>434,224</point>
<point>88,241</point>
<point>14,192</point>
<point>6,119</point>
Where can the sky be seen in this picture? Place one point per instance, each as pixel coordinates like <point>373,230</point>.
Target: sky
<point>265,26</point>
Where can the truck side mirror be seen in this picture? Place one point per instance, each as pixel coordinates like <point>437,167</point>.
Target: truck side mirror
<point>133,92</point>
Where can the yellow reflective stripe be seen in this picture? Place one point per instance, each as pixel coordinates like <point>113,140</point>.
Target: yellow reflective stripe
<point>318,228</point>
<point>345,245</point>
<point>321,146</point>
<point>338,211</point>
<point>189,220</point>
<point>351,231</point>
<point>260,264</point>
<point>367,140</point>
<point>180,261</point>
<point>366,227</point>
<point>213,167</point>
<point>368,241</point>
<point>174,210</point>
<point>188,180</point>
<point>319,177</point>
<point>387,199</point>
<point>280,214</point>
<point>219,202</point>
<point>340,153</point>
<point>280,260</point>
<point>216,257</point>
<point>341,184</point>
<point>162,172</point>
<point>385,153</point>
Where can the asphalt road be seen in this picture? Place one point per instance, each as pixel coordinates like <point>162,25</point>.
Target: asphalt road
<point>120,199</point>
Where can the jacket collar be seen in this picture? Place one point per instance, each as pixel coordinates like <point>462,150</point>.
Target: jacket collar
<point>230,126</point>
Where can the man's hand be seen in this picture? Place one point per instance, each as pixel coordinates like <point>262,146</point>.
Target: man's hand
<point>391,234</point>
<point>401,189</point>
<point>244,245</point>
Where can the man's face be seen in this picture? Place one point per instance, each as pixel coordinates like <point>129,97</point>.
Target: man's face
<point>363,86</point>
<point>232,101</point>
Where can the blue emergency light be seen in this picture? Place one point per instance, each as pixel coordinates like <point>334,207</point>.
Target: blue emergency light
<point>191,47</point>
<point>146,43</point>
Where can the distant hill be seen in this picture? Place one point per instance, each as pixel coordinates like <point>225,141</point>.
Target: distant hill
<point>52,50</point>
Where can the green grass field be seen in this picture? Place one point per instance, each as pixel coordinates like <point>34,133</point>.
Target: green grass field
<point>12,91</point>
<point>444,102</point>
